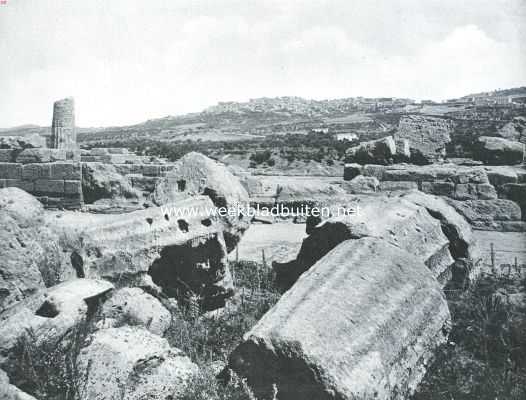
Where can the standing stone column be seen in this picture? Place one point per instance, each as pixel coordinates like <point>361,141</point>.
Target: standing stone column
<point>63,132</point>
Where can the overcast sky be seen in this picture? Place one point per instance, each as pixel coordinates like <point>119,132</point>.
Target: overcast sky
<point>126,61</point>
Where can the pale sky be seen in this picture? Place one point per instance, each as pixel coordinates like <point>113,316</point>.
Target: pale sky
<point>126,61</point>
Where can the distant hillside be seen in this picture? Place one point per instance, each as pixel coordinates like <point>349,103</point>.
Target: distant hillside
<point>258,118</point>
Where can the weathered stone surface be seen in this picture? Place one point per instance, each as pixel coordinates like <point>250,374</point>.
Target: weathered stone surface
<point>427,137</point>
<point>32,172</point>
<point>66,170</point>
<point>374,170</point>
<point>362,323</point>
<point>403,150</point>
<point>499,175</point>
<point>462,244</point>
<point>49,315</point>
<point>485,214</point>
<point>498,151</point>
<point>63,133</point>
<point>393,219</point>
<point>10,171</point>
<point>439,188</point>
<point>514,130</point>
<point>34,156</point>
<point>133,306</point>
<point>26,186</point>
<point>134,364</point>
<point>73,188</point>
<point>49,186</point>
<point>101,181</point>
<point>196,174</point>
<point>380,151</point>
<point>470,191</point>
<point>306,192</point>
<point>30,252</point>
<point>180,245</point>
<point>11,392</point>
<point>361,184</point>
<point>351,170</point>
<point>8,155</point>
<point>395,186</point>
<point>517,193</point>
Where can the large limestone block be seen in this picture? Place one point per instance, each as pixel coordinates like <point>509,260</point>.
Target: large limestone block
<point>362,323</point>
<point>8,155</point>
<point>361,184</point>
<point>427,136</point>
<point>133,306</point>
<point>10,171</point>
<point>30,252</point>
<point>134,364</point>
<point>498,151</point>
<point>101,181</point>
<point>462,244</point>
<point>393,219</point>
<point>351,170</point>
<point>49,315</point>
<point>380,151</point>
<point>25,185</point>
<point>307,192</point>
<point>196,174</point>
<point>180,245</point>
<point>32,172</point>
<point>34,156</point>
<point>500,175</point>
<point>487,214</point>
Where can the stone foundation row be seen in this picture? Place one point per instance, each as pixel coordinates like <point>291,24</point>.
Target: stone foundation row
<point>56,184</point>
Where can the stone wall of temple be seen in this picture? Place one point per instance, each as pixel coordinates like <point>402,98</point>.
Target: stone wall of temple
<point>56,184</point>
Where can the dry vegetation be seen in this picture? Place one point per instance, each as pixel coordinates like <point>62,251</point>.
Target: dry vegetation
<point>486,355</point>
<point>50,372</point>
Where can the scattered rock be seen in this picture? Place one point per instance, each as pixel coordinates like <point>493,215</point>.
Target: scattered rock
<point>50,315</point>
<point>181,245</point>
<point>380,151</point>
<point>133,306</point>
<point>498,151</point>
<point>363,322</point>
<point>393,219</point>
<point>361,184</point>
<point>196,174</point>
<point>132,363</point>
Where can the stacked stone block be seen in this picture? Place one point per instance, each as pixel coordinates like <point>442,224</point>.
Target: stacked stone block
<point>482,188</point>
<point>56,184</point>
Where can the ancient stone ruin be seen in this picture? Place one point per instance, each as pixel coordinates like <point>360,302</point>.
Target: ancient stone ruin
<point>427,137</point>
<point>63,132</point>
<point>387,328</point>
